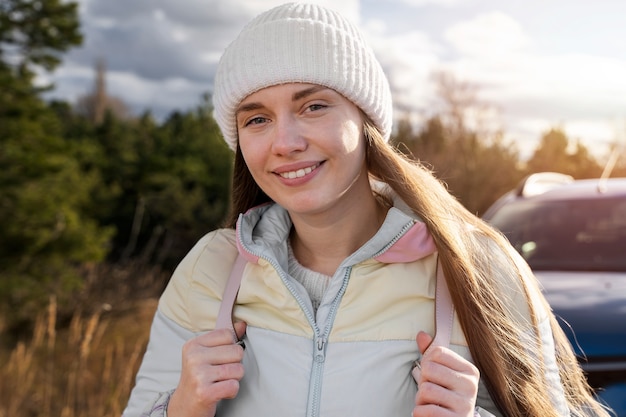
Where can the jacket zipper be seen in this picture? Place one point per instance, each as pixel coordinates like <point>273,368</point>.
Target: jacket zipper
<point>315,387</point>
<point>320,340</point>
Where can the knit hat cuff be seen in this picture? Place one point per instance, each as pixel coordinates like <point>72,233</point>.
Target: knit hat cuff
<point>331,53</point>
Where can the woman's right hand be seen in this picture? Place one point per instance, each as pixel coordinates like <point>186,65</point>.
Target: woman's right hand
<point>211,371</point>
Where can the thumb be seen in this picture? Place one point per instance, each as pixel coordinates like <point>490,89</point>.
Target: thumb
<point>240,329</point>
<point>423,341</point>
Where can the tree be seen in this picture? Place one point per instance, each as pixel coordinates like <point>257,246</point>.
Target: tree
<point>470,157</point>
<point>583,164</point>
<point>617,153</point>
<point>44,233</point>
<point>168,183</point>
<point>187,192</point>
<point>34,33</point>
<point>617,158</point>
<point>552,154</point>
<point>96,103</point>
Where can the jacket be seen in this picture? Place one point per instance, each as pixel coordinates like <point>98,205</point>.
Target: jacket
<point>353,357</point>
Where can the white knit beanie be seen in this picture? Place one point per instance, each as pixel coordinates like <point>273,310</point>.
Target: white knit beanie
<point>304,43</point>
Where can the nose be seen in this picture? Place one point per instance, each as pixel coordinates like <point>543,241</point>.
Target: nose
<point>288,137</point>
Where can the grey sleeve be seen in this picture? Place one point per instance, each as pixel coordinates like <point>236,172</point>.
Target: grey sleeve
<point>160,369</point>
<point>555,388</point>
<point>158,408</point>
<point>485,405</point>
<point>479,412</point>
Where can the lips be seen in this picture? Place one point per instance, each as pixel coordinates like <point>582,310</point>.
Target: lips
<point>298,173</point>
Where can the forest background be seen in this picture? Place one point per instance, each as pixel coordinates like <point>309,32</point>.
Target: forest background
<point>97,206</point>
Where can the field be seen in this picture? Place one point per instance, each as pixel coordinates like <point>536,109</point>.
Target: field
<point>82,365</point>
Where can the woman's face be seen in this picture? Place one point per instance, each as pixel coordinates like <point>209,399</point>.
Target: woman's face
<point>304,147</point>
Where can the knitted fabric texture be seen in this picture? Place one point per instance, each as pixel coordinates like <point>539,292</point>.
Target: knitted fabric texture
<point>314,282</point>
<point>305,43</point>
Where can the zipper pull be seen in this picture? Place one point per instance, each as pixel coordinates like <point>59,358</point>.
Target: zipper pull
<point>320,354</point>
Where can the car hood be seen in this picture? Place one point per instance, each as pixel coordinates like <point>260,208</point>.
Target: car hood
<point>594,305</point>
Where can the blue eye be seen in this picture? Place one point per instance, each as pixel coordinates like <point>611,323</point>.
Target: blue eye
<point>314,107</point>
<point>255,121</point>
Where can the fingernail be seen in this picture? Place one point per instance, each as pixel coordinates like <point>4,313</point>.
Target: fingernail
<point>417,368</point>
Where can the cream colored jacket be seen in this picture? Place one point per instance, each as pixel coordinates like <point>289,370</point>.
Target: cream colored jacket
<point>352,358</point>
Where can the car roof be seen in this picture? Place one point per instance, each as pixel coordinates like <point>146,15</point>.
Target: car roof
<point>584,189</point>
<point>553,186</point>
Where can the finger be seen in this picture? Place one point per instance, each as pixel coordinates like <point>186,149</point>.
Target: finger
<point>212,384</point>
<point>416,372</point>
<point>423,341</point>
<point>240,329</point>
<point>458,403</point>
<point>431,410</point>
<point>212,348</point>
<point>226,389</point>
<point>225,372</point>
<point>450,359</point>
<point>451,371</point>
<point>432,393</point>
<point>453,390</point>
<point>448,401</point>
<point>443,355</point>
<point>200,356</point>
<point>217,337</point>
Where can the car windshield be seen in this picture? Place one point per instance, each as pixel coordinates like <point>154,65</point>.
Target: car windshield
<point>570,235</point>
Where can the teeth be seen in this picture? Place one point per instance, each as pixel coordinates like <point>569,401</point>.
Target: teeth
<point>299,173</point>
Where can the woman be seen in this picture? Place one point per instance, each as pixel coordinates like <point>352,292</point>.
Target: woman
<point>343,238</point>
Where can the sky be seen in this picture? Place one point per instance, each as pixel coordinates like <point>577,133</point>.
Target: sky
<point>534,64</point>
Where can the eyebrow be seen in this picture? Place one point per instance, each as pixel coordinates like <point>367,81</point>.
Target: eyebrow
<point>307,92</point>
<point>298,95</point>
<point>248,107</point>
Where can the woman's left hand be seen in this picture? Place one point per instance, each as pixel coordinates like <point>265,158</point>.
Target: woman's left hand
<point>447,383</point>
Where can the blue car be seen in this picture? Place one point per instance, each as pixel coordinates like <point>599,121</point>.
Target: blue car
<point>572,233</point>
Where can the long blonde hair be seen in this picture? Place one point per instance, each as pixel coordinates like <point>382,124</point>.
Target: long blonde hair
<point>513,377</point>
<point>512,374</point>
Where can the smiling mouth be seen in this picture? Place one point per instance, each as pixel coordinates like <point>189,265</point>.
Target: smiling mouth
<point>298,173</point>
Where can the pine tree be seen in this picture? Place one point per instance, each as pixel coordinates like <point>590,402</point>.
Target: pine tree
<point>44,232</point>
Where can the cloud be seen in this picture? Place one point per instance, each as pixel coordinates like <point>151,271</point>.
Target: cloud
<point>408,60</point>
<point>162,55</point>
<point>536,91</point>
<point>490,35</point>
<point>159,51</point>
<point>532,90</point>
<point>159,39</point>
<point>444,3</point>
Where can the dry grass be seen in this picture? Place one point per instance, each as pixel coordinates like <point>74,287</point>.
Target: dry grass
<point>85,369</point>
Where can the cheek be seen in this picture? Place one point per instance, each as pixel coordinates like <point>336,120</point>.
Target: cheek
<point>255,161</point>
<point>352,137</point>
<point>251,151</point>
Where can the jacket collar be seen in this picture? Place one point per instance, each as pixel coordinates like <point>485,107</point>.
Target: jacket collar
<point>263,232</point>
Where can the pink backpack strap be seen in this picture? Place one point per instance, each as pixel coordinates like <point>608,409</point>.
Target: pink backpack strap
<point>444,311</point>
<point>444,317</point>
<point>225,314</point>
